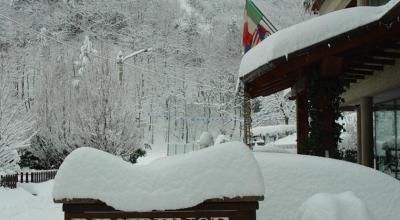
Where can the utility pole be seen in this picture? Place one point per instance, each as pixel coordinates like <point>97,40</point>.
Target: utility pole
<point>121,59</point>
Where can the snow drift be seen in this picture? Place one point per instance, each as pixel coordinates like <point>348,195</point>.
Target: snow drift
<point>291,179</point>
<point>343,206</point>
<point>227,171</point>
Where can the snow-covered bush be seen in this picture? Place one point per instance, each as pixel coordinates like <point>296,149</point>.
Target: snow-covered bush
<point>206,140</point>
<point>221,139</point>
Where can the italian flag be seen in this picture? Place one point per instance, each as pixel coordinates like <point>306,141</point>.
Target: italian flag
<point>254,29</point>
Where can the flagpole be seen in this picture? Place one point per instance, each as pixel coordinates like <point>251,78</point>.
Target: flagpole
<point>265,19</point>
<point>269,23</point>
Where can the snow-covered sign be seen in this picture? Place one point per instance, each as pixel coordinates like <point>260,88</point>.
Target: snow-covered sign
<point>310,32</point>
<point>225,171</point>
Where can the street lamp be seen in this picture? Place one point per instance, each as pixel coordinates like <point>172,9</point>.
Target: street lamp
<point>121,59</point>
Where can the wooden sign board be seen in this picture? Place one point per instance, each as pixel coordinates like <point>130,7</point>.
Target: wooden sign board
<point>219,209</point>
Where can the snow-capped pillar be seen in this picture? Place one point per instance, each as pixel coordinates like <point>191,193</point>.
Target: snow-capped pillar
<point>367,141</point>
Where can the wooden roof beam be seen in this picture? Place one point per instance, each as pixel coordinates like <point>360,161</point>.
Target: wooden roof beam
<point>378,61</point>
<point>366,66</point>
<point>351,76</point>
<point>270,89</point>
<point>362,72</point>
<point>350,80</point>
<point>386,54</point>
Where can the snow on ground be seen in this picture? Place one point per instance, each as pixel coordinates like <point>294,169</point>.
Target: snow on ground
<point>297,187</point>
<point>19,204</point>
<point>291,179</point>
<point>228,170</point>
<point>310,32</point>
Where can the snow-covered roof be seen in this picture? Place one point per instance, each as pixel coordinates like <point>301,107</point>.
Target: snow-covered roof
<point>309,33</point>
<point>228,170</point>
<point>272,129</point>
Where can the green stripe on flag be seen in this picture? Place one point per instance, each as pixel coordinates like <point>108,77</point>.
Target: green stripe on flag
<point>253,12</point>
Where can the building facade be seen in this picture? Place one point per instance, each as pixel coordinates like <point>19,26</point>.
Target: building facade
<point>377,102</point>
<point>360,45</point>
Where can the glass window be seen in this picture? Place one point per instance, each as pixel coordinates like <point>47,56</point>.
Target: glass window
<point>377,2</point>
<point>387,128</point>
<point>397,138</point>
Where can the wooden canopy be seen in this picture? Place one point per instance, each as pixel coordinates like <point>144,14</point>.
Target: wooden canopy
<point>354,55</point>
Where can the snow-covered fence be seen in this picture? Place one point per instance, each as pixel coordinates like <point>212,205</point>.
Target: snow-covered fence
<point>11,181</point>
<point>181,148</point>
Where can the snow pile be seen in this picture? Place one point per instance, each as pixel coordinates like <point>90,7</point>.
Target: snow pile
<point>291,179</point>
<point>273,130</point>
<point>343,206</point>
<point>310,32</point>
<point>228,170</point>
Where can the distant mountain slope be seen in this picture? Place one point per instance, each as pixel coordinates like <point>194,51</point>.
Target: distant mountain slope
<point>196,56</point>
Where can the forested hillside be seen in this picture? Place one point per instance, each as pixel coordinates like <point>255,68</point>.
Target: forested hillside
<point>59,68</point>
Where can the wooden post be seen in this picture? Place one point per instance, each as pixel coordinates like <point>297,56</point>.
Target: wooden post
<point>359,149</point>
<point>362,2</point>
<point>367,132</point>
<point>246,118</point>
<point>301,121</point>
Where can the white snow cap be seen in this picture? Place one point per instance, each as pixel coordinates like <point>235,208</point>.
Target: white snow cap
<point>206,140</point>
<point>227,171</point>
<point>343,206</point>
<point>310,32</point>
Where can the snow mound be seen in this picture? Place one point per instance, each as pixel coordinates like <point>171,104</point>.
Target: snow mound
<point>343,206</point>
<point>227,171</point>
<point>291,179</point>
<point>310,32</point>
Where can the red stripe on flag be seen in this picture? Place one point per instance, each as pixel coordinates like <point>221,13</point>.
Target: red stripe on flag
<point>246,35</point>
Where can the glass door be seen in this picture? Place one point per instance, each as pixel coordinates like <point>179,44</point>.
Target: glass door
<point>386,129</point>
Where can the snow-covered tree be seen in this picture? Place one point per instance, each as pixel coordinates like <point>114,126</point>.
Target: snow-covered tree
<point>16,125</point>
<point>275,109</point>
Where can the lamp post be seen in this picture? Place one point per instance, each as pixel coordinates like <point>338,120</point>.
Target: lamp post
<point>121,59</point>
